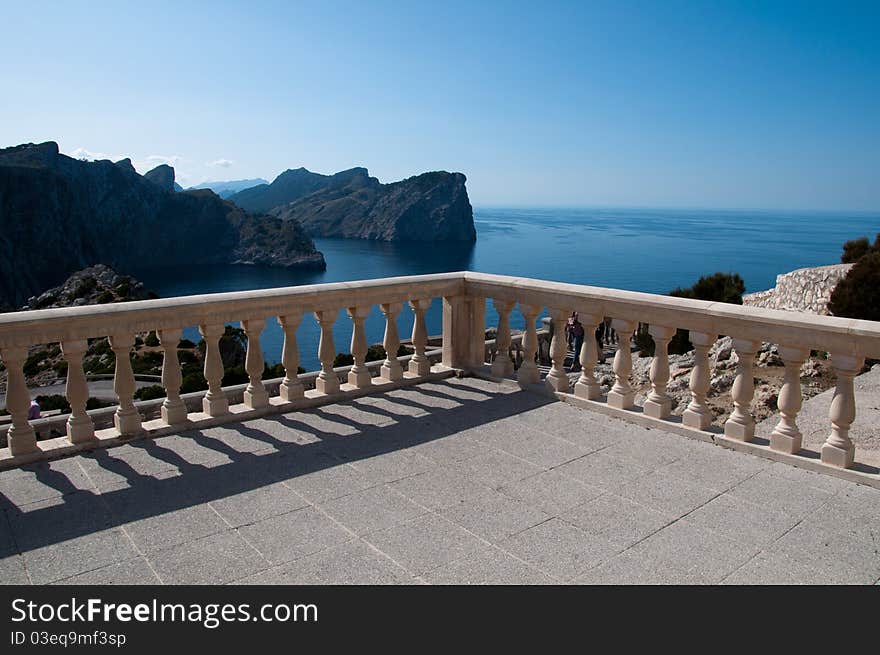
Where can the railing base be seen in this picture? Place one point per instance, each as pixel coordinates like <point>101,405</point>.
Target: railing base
<point>48,449</point>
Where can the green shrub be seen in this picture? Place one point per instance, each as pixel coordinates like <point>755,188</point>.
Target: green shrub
<point>95,403</point>
<point>152,340</point>
<point>343,359</point>
<point>85,287</point>
<point>855,249</point>
<point>234,375</point>
<point>150,393</point>
<point>148,363</point>
<point>194,381</point>
<point>271,372</point>
<point>105,297</point>
<point>376,353</point>
<point>718,287</point>
<point>403,350</point>
<point>123,289</point>
<point>55,401</point>
<point>60,368</point>
<point>858,294</point>
<point>644,341</point>
<point>35,362</point>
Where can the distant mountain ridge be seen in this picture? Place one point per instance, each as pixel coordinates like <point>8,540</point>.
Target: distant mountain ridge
<point>231,187</point>
<point>352,205</point>
<point>59,215</point>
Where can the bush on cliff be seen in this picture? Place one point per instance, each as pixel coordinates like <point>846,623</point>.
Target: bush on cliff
<point>858,294</point>
<point>855,249</point>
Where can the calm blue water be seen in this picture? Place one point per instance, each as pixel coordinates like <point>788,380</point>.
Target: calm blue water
<point>634,249</point>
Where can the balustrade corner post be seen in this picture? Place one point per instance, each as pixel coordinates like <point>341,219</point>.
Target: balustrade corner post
<point>502,365</point>
<point>587,386</point>
<point>786,436</point>
<point>391,369</point>
<point>658,404</point>
<point>215,402</point>
<point>127,420</point>
<point>80,427</point>
<point>21,436</point>
<point>291,388</point>
<point>464,332</point>
<point>528,372</point>
<point>327,382</point>
<point>557,378</point>
<point>741,424</point>
<point>419,364</point>
<point>622,395</point>
<point>698,415</point>
<point>838,449</point>
<point>173,408</point>
<point>255,395</point>
<point>359,375</point>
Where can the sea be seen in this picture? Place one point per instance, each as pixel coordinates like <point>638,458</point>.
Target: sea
<point>651,250</point>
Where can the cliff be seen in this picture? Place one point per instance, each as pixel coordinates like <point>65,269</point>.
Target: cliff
<point>802,290</point>
<point>428,207</point>
<point>291,185</point>
<point>59,215</point>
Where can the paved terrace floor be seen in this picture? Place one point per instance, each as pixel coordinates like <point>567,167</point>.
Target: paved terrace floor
<point>463,481</point>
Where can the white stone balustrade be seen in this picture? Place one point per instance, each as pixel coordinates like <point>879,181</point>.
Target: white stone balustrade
<point>464,296</point>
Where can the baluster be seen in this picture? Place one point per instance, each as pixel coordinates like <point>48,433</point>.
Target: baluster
<point>528,373</point>
<point>419,364</point>
<point>586,385</point>
<point>391,368</point>
<point>502,366</point>
<point>557,378</point>
<point>80,427</point>
<point>173,408</point>
<point>126,419</point>
<point>255,395</point>
<point>21,437</point>
<point>838,449</point>
<point>786,436</point>
<point>658,403</point>
<point>622,395</point>
<point>741,424</point>
<point>291,388</point>
<point>215,402</point>
<point>327,382</point>
<point>359,375</point>
<point>698,415</point>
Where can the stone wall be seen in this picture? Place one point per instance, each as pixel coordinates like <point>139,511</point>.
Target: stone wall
<point>803,290</point>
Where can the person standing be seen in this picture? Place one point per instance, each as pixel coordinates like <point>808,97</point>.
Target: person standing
<point>574,330</point>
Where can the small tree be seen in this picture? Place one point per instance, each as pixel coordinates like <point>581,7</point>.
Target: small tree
<point>858,294</point>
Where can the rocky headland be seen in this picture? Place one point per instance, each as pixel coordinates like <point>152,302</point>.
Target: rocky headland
<point>352,205</point>
<point>59,215</point>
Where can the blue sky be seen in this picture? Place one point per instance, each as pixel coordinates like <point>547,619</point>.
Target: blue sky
<point>682,104</point>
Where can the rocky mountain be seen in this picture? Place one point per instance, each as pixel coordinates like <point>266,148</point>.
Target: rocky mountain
<point>231,187</point>
<point>289,186</point>
<point>95,285</point>
<point>428,207</point>
<point>59,215</point>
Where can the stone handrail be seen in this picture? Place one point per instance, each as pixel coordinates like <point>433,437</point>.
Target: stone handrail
<point>464,297</point>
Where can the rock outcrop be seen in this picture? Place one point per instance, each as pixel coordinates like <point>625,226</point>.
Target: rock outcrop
<point>802,290</point>
<point>352,205</point>
<point>95,285</point>
<point>59,215</point>
<point>428,207</point>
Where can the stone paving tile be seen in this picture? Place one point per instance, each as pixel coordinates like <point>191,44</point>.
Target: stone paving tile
<point>353,562</point>
<point>756,525</point>
<point>258,504</point>
<point>617,520</point>
<point>187,451</point>
<point>441,487</point>
<point>496,468</point>
<point>601,470</point>
<point>430,402</point>
<point>490,566</point>
<point>394,465</point>
<point>559,549</point>
<point>77,555</point>
<point>716,468</point>
<point>694,551</point>
<point>543,450</point>
<point>386,404</point>
<point>775,569</point>
<point>631,568</point>
<point>330,483</point>
<point>215,559</point>
<point>12,570</point>
<point>115,468</point>
<point>666,494</point>
<point>360,417</point>
<point>425,543</point>
<point>496,518</point>
<point>293,535</point>
<point>42,481</point>
<point>179,526</point>
<point>376,508</point>
<point>135,571</point>
<point>551,491</point>
<point>769,489</point>
<point>648,449</point>
<point>56,519</point>
<point>448,450</point>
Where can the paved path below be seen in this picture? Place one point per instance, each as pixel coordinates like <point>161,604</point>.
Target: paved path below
<point>463,481</point>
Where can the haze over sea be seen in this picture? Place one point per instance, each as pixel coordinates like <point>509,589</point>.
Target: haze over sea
<point>651,250</point>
